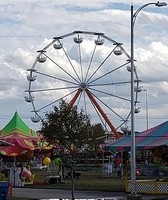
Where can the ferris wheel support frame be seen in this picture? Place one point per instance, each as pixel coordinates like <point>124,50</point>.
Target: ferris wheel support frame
<point>72,102</point>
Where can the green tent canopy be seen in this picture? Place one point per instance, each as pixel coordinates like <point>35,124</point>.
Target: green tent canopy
<point>17,125</point>
<point>22,138</point>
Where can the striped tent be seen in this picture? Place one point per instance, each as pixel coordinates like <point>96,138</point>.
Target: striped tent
<point>154,137</point>
<point>21,139</point>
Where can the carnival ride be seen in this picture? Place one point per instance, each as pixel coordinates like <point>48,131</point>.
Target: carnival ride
<point>87,69</point>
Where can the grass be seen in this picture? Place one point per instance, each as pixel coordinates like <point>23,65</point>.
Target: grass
<point>87,181</point>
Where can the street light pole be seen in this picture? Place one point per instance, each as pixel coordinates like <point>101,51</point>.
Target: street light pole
<point>133,145</point>
<point>146,106</point>
<point>133,156</point>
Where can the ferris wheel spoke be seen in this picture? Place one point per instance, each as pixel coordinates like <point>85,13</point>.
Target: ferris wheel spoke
<point>85,104</point>
<point>109,94</point>
<point>55,101</point>
<point>124,121</point>
<point>113,129</point>
<point>108,84</point>
<point>91,59</point>
<point>79,99</point>
<point>80,60</point>
<point>98,114</point>
<point>54,77</point>
<point>71,63</point>
<point>52,89</point>
<point>107,106</point>
<point>106,74</point>
<point>123,50</point>
<point>101,64</point>
<point>61,68</point>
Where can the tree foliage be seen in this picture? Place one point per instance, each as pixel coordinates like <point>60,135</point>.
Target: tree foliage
<point>95,137</point>
<point>68,127</point>
<point>72,128</point>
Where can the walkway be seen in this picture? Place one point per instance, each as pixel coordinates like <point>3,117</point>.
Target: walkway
<point>66,194</point>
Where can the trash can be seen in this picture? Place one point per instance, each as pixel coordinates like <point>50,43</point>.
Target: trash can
<point>4,190</point>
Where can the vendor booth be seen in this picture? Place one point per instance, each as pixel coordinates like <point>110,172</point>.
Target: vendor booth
<point>154,140</point>
<point>151,138</point>
<point>22,140</point>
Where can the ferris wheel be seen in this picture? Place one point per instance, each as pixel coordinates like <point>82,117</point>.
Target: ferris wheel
<point>87,69</point>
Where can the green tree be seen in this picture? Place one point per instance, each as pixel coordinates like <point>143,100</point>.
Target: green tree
<point>95,137</point>
<point>72,129</point>
<point>67,127</point>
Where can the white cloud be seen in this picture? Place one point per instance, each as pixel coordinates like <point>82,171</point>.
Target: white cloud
<point>29,25</point>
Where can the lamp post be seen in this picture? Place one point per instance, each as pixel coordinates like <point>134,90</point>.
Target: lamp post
<point>146,107</point>
<point>133,156</point>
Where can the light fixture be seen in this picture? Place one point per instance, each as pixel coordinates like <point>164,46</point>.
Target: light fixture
<point>160,4</point>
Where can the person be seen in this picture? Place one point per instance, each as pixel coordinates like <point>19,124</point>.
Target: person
<point>117,162</point>
<point>15,174</point>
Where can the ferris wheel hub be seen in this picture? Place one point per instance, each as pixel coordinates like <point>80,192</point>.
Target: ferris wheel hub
<point>83,86</point>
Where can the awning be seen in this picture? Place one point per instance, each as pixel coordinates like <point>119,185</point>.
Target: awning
<point>22,138</point>
<point>154,137</point>
<point>4,143</point>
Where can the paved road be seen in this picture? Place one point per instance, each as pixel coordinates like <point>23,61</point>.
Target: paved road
<point>66,194</point>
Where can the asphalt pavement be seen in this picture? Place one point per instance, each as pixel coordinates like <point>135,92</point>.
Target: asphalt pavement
<point>51,194</point>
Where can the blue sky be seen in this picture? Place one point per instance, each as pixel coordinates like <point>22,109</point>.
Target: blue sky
<point>28,25</point>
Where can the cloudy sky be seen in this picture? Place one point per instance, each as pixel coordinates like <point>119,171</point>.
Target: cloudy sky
<point>29,25</point>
